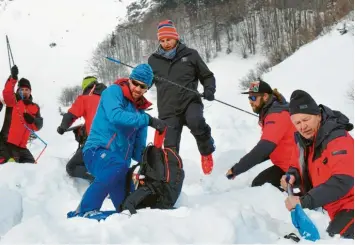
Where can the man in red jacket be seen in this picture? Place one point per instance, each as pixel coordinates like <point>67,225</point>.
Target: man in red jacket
<point>84,106</point>
<point>277,139</point>
<point>325,172</point>
<point>21,115</point>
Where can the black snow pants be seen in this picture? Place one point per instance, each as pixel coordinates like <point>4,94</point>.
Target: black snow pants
<point>270,175</point>
<point>76,166</point>
<point>343,224</point>
<point>20,155</point>
<point>194,120</point>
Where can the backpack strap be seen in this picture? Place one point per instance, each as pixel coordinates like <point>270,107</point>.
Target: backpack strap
<point>159,138</point>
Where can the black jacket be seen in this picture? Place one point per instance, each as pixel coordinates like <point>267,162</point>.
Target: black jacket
<point>185,69</point>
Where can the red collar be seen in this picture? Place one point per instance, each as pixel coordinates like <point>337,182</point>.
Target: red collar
<point>141,104</point>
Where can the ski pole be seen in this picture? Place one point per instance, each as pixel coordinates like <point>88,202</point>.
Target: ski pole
<point>183,87</point>
<point>45,144</point>
<point>9,52</point>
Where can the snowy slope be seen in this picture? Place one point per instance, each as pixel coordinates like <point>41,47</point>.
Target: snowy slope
<point>211,209</point>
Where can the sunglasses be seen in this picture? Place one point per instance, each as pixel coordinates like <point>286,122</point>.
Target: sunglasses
<point>141,85</point>
<point>252,97</point>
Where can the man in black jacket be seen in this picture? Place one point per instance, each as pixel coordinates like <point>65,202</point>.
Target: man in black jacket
<point>175,62</point>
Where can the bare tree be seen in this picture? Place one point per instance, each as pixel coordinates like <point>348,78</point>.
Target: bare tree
<point>68,95</point>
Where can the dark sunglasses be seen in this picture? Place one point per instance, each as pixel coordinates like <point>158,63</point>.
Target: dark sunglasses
<point>252,97</point>
<point>137,84</point>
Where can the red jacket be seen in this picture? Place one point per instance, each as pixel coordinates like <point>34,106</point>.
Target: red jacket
<point>84,106</point>
<point>14,130</point>
<point>277,139</point>
<point>326,168</point>
<point>278,128</point>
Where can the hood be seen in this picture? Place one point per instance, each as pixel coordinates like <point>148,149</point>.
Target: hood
<point>331,120</point>
<point>273,106</point>
<point>141,104</point>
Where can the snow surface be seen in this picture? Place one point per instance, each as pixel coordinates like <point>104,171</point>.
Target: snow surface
<point>211,209</point>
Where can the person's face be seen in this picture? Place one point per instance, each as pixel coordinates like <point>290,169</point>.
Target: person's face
<point>257,101</point>
<point>168,43</point>
<point>307,125</point>
<point>137,88</point>
<point>24,92</point>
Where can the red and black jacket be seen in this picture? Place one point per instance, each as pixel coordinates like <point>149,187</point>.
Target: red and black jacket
<point>277,139</point>
<point>84,106</point>
<point>14,130</point>
<point>325,172</point>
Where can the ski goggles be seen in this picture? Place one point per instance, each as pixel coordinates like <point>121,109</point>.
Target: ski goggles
<point>137,84</point>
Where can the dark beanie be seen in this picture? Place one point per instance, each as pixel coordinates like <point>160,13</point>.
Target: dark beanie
<point>302,102</point>
<point>24,83</point>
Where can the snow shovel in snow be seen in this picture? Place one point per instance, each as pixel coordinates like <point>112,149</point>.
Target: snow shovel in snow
<point>301,221</point>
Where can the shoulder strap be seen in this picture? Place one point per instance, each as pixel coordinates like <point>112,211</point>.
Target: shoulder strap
<point>144,161</point>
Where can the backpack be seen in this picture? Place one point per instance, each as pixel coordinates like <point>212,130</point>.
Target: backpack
<point>163,173</point>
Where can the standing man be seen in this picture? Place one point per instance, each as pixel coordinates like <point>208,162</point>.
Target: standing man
<point>175,62</point>
<point>21,115</point>
<point>84,106</point>
<point>325,172</point>
<point>118,134</point>
<point>277,140</point>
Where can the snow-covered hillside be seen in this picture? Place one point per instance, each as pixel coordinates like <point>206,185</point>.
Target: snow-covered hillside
<point>212,209</point>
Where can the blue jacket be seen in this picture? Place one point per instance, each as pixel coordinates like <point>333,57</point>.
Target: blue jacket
<point>119,126</point>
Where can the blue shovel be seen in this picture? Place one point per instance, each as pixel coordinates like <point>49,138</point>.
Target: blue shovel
<point>301,221</point>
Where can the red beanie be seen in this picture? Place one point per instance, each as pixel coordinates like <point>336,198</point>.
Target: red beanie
<point>166,29</point>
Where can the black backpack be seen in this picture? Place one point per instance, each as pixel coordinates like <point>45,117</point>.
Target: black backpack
<point>163,173</point>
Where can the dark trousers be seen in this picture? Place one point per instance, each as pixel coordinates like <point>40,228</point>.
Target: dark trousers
<point>194,120</point>
<point>76,166</point>
<point>20,155</point>
<point>343,224</point>
<point>270,175</point>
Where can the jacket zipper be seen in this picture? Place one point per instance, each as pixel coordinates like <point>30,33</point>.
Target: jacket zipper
<point>110,141</point>
<point>129,144</point>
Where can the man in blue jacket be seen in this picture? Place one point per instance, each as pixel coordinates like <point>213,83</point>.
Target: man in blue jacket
<point>118,134</point>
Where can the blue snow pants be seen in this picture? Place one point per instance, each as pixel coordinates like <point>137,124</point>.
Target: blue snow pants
<point>110,178</point>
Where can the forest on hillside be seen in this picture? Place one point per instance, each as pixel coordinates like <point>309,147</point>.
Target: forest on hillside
<point>273,28</point>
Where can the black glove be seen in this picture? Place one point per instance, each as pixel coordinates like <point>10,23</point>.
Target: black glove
<point>60,130</point>
<point>28,118</point>
<point>14,72</point>
<point>208,94</point>
<point>80,135</point>
<point>156,123</point>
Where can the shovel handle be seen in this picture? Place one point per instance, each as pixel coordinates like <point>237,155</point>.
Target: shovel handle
<point>289,186</point>
<point>289,189</point>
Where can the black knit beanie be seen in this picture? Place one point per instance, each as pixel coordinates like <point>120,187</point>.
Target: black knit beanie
<point>302,102</point>
<point>24,83</point>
